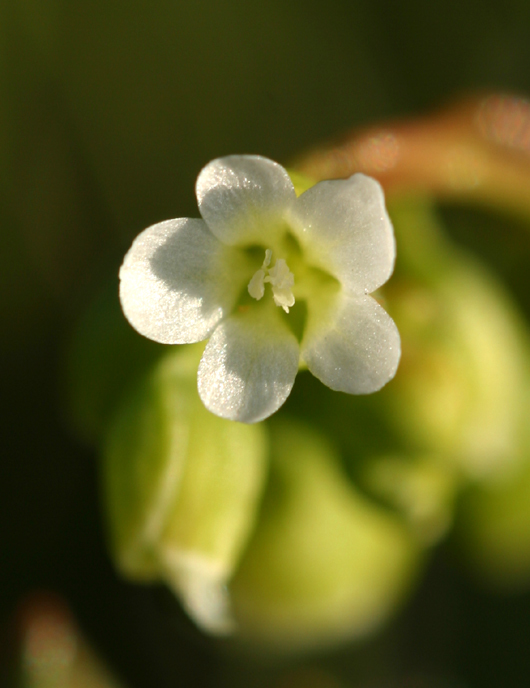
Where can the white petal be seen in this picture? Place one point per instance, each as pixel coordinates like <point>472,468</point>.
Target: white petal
<point>345,229</point>
<point>353,346</point>
<point>177,281</point>
<point>249,365</point>
<point>244,198</point>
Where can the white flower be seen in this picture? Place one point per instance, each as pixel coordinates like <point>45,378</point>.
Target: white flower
<point>185,280</point>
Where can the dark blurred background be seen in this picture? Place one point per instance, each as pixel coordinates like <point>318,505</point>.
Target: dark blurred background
<point>108,110</point>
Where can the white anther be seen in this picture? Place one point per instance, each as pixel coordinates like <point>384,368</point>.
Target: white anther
<point>280,278</point>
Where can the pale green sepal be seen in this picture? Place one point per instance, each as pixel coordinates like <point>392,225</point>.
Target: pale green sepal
<point>324,563</point>
<point>181,488</point>
<point>300,181</point>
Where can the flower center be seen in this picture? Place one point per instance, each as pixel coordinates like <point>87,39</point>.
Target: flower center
<point>280,278</point>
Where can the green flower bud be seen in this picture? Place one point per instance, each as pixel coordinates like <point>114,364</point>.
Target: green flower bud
<point>460,388</point>
<point>494,528</point>
<point>324,563</point>
<point>182,488</point>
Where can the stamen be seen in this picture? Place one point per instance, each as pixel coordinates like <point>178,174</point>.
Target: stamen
<point>282,282</point>
<point>280,278</point>
<point>256,287</point>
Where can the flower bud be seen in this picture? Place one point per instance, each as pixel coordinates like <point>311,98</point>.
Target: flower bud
<point>460,388</point>
<point>324,562</point>
<point>181,489</point>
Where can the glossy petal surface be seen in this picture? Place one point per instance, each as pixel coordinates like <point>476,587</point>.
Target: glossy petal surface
<point>248,367</point>
<point>244,199</point>
<point>344,229</point>
<point>352,345</point>
<point>177,281</point>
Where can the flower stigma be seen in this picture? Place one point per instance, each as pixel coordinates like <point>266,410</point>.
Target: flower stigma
<point>280,278</point>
